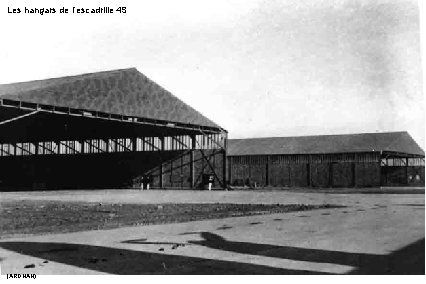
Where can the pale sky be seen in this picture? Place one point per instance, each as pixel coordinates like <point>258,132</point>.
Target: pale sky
<point>256,67</point>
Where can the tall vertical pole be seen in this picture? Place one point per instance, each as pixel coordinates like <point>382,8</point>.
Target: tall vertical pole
<point>135,143</point>
<point>230,169</point>
<point>161,163</point>
<point>406,171</point>
<point>181,171</point>
<point>386,171</point>
<point>191,162</point>
<point>107,145</point>
<point>82,146</point>
<point>225,147</point>
<point>36,148</point>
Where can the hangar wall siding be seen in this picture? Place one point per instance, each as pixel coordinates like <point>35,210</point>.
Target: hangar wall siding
<point>398,175</point>
<point>177,172</point>
<point>325,170</point>
<point>112,170</point>
<point>172,162</point>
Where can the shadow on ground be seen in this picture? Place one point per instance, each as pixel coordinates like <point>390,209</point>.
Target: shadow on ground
<point>408,260</point>
<point>121,261</point>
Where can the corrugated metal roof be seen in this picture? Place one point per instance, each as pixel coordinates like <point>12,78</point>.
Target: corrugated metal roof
<point>347,143</point>
<point>124,92</point>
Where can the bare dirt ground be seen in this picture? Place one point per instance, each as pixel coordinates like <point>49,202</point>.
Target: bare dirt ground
<point>302,196</point>
<point>373,234</point>
<point>32,217</point>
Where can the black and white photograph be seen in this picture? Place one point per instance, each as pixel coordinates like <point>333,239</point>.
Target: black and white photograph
<point>211,137</point>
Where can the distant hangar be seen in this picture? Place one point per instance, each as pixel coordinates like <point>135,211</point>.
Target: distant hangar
<point>353,160</point>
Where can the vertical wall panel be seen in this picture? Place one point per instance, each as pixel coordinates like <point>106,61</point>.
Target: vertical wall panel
<point>280,175</point>
<point>367,174</point>
<point>299,175</point>
<point>320,174</point>
<point>258,175</point>
<point>342,175</point>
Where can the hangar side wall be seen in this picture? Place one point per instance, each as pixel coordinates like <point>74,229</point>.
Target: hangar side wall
<point>109,170</point>
<point>177,173</point>
<point>333,170</point>
<point>411,175</point>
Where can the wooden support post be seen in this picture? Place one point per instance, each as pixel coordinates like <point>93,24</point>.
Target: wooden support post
<point>406,171</point>
<point>191,162</point>
<point>230,169</point>
<point>181,171</point>
<point>386,171</point>
<point>268,160</point>
<point>224,160</point>
<point>310,171</point>
<point>249,171</point>
<point>160,175</point>
<point>308,174</point>
<point>36,148</point>
<point>171,173</point>
<point>289,173</point>
<point>353,174</point>
<point>134,143</point>
<point>106,145</point>
<point>82,146</point>
<point>330,172</point>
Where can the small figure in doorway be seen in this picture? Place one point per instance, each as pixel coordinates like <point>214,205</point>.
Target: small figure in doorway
<point>142,183</point>
<point>146,180</point>
<point>211,178</point>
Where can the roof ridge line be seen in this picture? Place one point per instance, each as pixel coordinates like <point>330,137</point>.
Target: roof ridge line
<point>133,94</point>
<point>70,76</point>
<point>319,135</point>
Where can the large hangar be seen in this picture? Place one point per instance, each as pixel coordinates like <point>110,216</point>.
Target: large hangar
<point>108,129</point>
<point>356,160</point>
